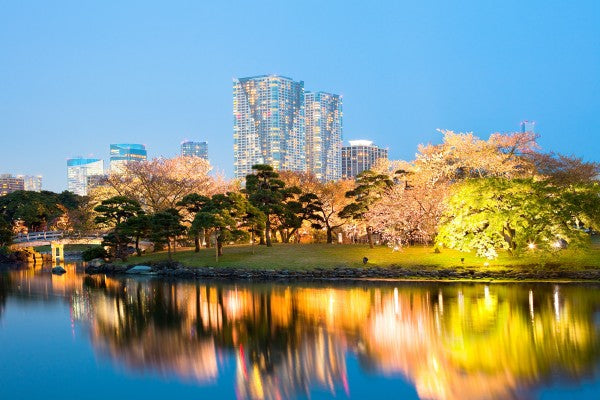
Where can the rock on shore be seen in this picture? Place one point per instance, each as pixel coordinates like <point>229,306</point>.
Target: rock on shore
<point>176,270</point>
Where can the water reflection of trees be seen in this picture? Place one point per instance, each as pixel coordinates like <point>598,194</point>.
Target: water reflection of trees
<point>5,284</point>
<point>450,341</point>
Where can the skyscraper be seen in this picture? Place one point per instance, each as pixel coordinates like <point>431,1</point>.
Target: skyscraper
<point>268,124</point>
<point>360,156</point>
<point>10,183</point>
<point>194,149</point>
<point>527,126</point>
<point>78,171</point>
<point>126,152</point>
<point>323,135</point>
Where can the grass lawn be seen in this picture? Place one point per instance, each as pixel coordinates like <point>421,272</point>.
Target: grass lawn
<point>308,256</point>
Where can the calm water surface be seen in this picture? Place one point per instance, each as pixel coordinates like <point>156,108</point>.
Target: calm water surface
<point>81,337</point>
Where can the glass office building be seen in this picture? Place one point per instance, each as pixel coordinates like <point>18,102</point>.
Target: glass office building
<point>360,156</point>
<point>323,121</point>
<point>527,126</point>
<point>268,124</point>
<point>78,172</point>
<point>194,149</point>
<point>126,152</point>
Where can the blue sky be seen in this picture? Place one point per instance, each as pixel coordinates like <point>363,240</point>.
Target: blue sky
<point>76,76</point>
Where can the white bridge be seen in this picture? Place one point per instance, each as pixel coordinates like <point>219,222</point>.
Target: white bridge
<point>38,236</point>
<point>35,239</point>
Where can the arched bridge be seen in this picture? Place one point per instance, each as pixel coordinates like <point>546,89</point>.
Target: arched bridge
<point>34,239</point>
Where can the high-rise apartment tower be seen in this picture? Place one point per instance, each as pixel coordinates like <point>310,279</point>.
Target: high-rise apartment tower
<point>323,120</point>
<point>361,155</point>
<point>268,124</point>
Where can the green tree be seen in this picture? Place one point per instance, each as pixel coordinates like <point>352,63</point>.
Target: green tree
<point>166,226</point>
<point>114,213</point>
<point>267,193</point>
<point>297,210</point>
<point>6,233</point>
<point>368,188</point>
<point>137,226</point>
<point>225,214</point>
<point>37,210</point>
<point>192,204</point>
<point>491,214</point>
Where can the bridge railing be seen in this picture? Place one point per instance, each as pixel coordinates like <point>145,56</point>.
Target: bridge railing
<point>37,236</point>
<point>54,235</point>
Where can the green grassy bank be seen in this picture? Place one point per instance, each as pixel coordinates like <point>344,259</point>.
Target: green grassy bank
<point>309,256</point>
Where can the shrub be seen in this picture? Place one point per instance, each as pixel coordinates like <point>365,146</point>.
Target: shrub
<point>94,252</point>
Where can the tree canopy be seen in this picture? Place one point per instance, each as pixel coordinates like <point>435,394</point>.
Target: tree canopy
<point>517,215</point>
<point>38,211</point>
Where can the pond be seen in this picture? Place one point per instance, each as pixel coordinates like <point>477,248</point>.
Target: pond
<point>77,336</point>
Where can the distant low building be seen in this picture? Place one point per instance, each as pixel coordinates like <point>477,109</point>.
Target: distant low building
<point>32,182</point>
<point>10,183</point>
<point>360,156</point>
<point>79,170</point>
<point>194,149</point>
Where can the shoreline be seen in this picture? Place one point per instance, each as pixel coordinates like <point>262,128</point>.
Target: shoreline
<point>176,270</point>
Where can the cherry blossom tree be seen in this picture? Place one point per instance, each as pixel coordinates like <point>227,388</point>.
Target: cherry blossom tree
<point>409,211</point>
<point>161,183</point>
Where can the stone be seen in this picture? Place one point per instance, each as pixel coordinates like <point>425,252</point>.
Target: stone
<point>139,270</point>
<point>96,262</point>
<point>58,270</point>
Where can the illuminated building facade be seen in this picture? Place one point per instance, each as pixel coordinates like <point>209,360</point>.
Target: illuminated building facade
<point>360,156</point>
<point>194,149</point>
<point>32,183</point>
<point>10,183</point>
<point>268,124</point>
<point>323,112</point>
<point>78,172</point>
<point>126,152</point>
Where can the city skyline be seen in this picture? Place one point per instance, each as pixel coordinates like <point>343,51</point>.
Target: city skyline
<point>401,76</point>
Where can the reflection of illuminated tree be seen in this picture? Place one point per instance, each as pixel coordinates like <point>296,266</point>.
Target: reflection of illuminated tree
<point>469,342</point>
<point>261,327</point>
<point>451,341</point>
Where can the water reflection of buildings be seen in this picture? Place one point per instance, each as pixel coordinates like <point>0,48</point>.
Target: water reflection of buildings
<point>450,341</point>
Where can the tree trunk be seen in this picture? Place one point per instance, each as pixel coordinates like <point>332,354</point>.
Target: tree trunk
<point>285,237</point>
<point>370,236</point>
<point>196,243</point>
<point>220,248</point>
<point>169,249</point>
<point>268,232</point>
<point>288,235</point>
<point>329,235</point>
<point>137,246</point>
